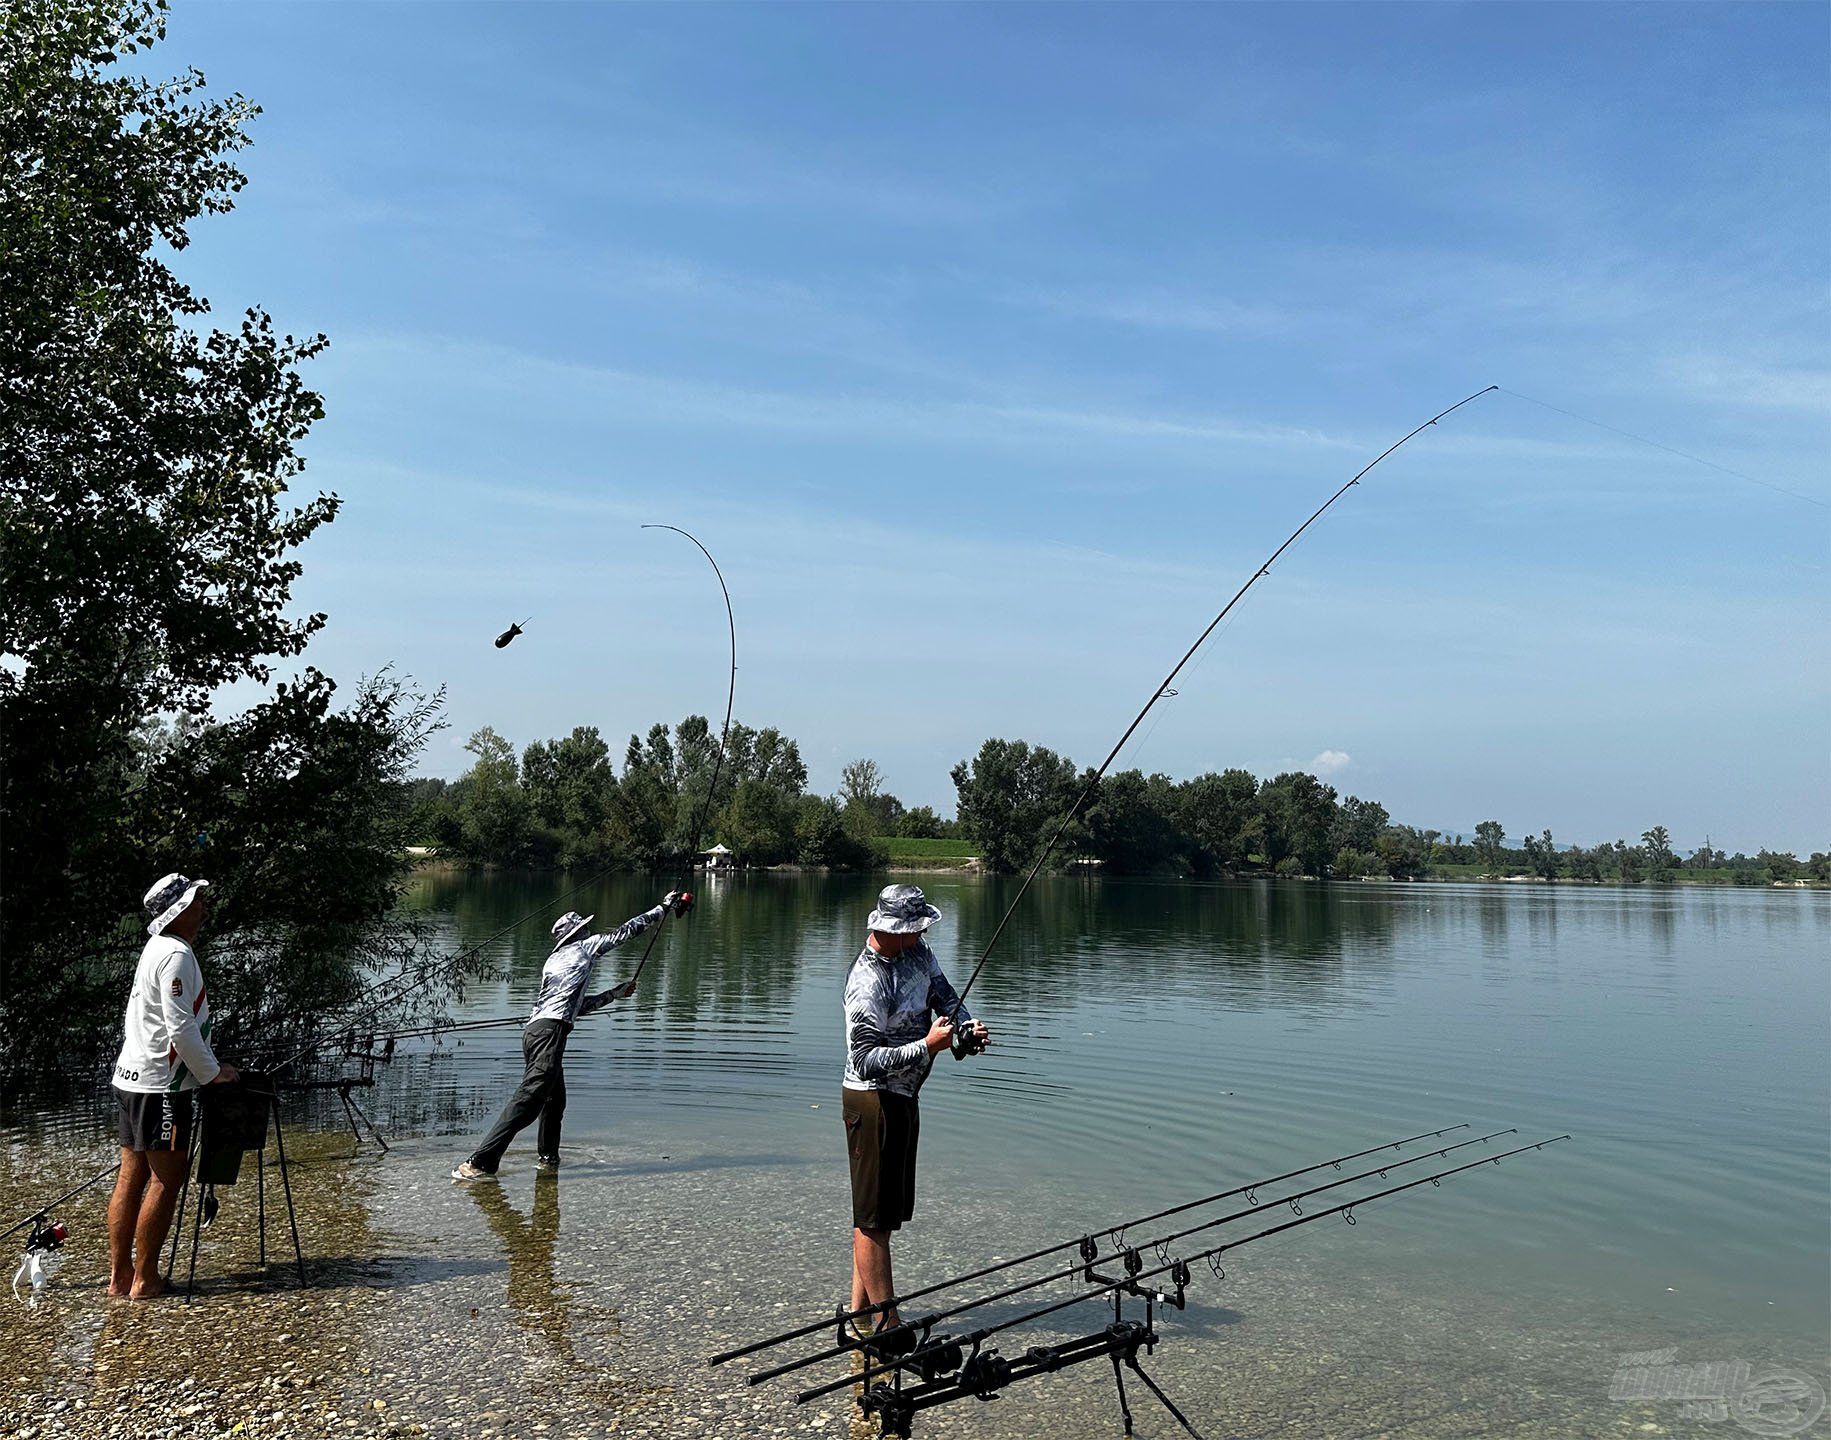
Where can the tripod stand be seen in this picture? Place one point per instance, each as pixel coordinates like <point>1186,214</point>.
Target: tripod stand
<point>212,1154</point>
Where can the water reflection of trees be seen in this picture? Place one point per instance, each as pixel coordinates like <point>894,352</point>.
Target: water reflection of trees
<point>764,946</point>
<point>756,940</point>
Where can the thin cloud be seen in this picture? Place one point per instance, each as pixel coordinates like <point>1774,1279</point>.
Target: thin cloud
<point>1331,762</point>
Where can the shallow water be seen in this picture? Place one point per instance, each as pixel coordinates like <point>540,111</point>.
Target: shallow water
<point>1153,1042</point>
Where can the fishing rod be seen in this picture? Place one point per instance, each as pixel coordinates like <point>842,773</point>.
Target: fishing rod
<point>1113,1232</point>
<point>1158,693</point>
<point>43,1212</point>
<point>1178,1270</point>
<point>1090,1255</point>
<point>718,764</point>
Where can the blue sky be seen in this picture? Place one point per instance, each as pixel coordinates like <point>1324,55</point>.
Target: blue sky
<point>990,348</point>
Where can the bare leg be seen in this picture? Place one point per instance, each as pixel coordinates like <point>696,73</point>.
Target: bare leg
<point>123,1212</point>
<point>155,1222</point>
<point>871,1282</point>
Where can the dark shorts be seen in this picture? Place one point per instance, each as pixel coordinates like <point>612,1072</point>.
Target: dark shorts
<point>881,1133</point>
<point>155,1122</point>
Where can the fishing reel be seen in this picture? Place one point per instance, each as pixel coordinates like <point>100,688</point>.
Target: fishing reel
<point>984,1374</point>
<point>42,1260</point>
<point>966,1043</point>
<point>683,902</point>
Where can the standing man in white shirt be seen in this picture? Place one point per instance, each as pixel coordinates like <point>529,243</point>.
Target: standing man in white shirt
<point>164,1057</point>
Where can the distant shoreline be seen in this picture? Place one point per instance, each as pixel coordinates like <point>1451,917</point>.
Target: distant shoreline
<point>430,864</point>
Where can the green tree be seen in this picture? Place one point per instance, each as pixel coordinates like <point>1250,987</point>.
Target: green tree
<point>1628,861</point>
<point>1220,817</point>
<point>1402,852</point>
<point>1296,814</point>
<point>1658,846</point>
<point>868,809</point>
<point>642,813</point>
<point>1780,864</point>
<point>920,822</point>
<point>760,823</point>
<point>148,549</point>
<point>1010,798</point>
<point>1542,856</point>
<point>1132,824</point>
<point>822,837</point>
<point>1358,824</point>
<point>571,791</point>
<point>1489,838</point>
<point>493,809</point>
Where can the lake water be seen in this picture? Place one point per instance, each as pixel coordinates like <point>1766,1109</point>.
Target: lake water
<point>1156,1041</point>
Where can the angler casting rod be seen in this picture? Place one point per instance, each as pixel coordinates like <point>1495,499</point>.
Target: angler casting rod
<point>434,970</point>
<point>1168,680</point>
<point>927,1322</point>
<point>1108,1287</point>
<point>1111,1231</point>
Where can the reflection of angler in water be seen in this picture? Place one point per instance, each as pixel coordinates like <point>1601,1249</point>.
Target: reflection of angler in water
<point>541,1302</point>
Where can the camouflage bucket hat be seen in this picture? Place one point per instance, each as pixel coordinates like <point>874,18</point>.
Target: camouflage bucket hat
<point>902,910</point>
<point>569,925</point>
<point>169,898</point>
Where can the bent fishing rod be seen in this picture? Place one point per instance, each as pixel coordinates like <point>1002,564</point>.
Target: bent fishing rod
<point>1113,1232</point>
<point>1090,1255</point>
<point>718,764</point>
<point>1157,694</point>
<point>701,814</point>
<point>1177,1269</point>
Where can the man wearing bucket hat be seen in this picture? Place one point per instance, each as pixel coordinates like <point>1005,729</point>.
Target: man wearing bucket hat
<point>165,1055</point>
<point>900,1013</point>
<point>562,999</point>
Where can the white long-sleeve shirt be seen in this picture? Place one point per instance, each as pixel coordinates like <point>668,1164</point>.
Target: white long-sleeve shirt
<point>167,1030</point>
<point>563,977</point>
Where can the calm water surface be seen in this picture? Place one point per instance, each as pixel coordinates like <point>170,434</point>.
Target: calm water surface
<point>1156,1041</point>
<point>1152,1038</point>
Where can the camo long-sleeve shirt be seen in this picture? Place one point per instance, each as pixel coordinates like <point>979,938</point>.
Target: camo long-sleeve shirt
<point>563,977</point>
<point>889,1006</point>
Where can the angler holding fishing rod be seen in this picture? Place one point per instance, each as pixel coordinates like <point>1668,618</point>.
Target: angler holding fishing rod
<point>901,1060</point>
<point>562,999</point>
<point>901,1012</point>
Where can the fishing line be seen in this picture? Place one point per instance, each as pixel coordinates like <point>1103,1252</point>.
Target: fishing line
<point>1168,680</point>
<point>1669,449</point>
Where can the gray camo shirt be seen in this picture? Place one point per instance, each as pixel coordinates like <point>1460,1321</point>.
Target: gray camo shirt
<point>563,977</point>
<point>889,1007</point>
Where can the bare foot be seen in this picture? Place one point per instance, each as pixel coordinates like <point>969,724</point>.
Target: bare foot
<point>118,1289</point>
<point>150,1288</point>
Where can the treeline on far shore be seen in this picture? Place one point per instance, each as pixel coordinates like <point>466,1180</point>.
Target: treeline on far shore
<point>563,803</point>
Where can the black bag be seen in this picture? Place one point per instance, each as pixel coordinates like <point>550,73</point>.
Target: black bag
<point>235,1117</point>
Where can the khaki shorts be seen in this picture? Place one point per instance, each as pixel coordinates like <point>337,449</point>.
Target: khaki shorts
<point>881,1133</point>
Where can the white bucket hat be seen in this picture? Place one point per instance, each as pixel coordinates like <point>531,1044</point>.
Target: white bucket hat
<point>902,910</point>
<point>569,925</point>
<point>168,899</point>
